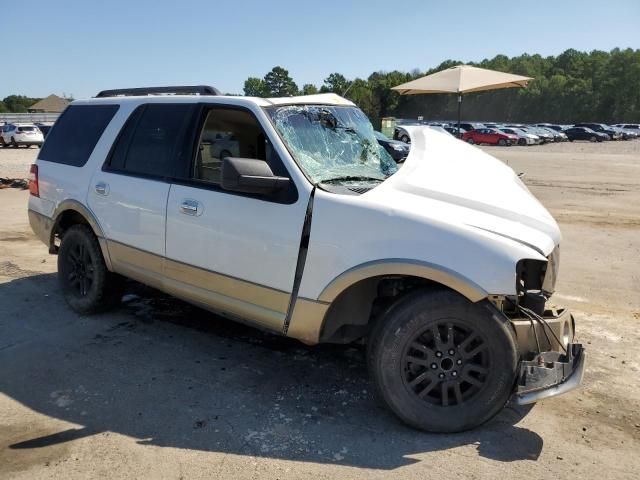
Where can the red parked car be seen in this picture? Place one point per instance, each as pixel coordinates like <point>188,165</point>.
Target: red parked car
<point>490,136</point>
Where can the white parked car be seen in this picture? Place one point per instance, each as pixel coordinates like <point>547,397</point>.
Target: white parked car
<point>524,138</point>
<point>443,267</point>
<point>19,134</point>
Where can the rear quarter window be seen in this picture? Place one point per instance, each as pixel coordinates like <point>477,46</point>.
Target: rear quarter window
<point>75,134</point>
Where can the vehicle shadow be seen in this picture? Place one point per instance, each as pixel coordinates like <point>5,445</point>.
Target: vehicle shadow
<point>169,374</point>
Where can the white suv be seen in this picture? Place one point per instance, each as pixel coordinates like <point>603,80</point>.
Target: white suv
<point>19,134</point>
<point>443,266</point>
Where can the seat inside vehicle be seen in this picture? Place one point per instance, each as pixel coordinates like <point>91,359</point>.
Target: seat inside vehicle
<point>227,133</point>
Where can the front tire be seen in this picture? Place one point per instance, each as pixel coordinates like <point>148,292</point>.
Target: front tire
<point>442,363</point>
<point>471,141</point>
<point>502,142</point>
<point>405,139</point>
<point>87,284</point>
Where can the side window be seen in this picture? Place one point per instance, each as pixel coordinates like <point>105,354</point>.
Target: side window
<point>75,134</point>
<point>152,140</point>
<point>228,132</point>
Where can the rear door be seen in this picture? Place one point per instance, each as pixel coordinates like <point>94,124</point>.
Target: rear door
<point>233,252</point>
<point>129,194</point>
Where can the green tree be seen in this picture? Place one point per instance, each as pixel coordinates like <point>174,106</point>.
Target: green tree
<point>309,89</point>
<point>19,103</point>
<point>336,83</point>
<point>571,87</point>
<point>255,87</point>
<point>278,83</point>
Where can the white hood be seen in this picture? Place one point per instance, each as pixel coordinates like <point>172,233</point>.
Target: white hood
<point>470,188</point>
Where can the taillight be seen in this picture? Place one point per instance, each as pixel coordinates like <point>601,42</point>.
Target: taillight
<point>34,188</point>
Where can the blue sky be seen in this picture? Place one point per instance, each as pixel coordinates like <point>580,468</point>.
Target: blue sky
<point>79,47</point>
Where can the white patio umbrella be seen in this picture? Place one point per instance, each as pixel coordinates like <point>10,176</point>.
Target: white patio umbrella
<point>462,79</point>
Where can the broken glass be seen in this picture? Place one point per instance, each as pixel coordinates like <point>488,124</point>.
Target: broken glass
<point>333,143</point>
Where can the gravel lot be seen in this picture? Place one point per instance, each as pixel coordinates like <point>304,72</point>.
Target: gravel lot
<point>161,389</point>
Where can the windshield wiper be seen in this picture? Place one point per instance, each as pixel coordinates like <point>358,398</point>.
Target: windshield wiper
<point>354,178</point>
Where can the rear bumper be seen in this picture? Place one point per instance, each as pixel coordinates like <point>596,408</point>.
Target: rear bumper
<point>41,226</point>
<point>552,365</point>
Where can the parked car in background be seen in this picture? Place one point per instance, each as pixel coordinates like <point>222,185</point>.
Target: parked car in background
<point>19,134</point>
<point>401,134</point>
<point>453,130</point>
<point>44,128</point>
<point>490,136</point>
<point>626,134</point>
<point>468,126</point>
<point>545,135</point>
<point>601,128</point>
<point>397,149</point>
<point>557,136</point>
<point>524,138</point>
<point>584,133</point>
<point>629,127</point>
<point>557,128</point>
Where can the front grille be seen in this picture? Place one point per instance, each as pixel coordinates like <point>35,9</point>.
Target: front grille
<point>360,189</point>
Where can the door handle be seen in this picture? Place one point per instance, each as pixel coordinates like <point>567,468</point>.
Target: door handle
<point>102,188</point>
<point>190,207</point>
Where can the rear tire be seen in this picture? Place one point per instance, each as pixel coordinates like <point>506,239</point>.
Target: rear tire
<point>522,142</point>
<point>442,363</point>
<point>13,142</point>
<point>87,284</point>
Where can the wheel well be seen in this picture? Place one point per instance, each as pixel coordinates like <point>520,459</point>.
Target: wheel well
<point>350,315</point>
<point>65,220</point>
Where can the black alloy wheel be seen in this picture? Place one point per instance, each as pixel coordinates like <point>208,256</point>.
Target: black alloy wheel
<point>446,364</point>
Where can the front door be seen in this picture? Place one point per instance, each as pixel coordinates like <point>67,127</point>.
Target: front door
<point>227,251</point>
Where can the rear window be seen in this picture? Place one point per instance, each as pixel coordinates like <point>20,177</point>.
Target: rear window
<point>75,134</point>
<point>26,129</point>
<point>152,140</point>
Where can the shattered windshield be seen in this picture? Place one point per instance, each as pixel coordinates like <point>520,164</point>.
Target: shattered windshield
<point>333,144</point>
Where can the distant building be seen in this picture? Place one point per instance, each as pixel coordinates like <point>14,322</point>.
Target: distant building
<point>51,104</point>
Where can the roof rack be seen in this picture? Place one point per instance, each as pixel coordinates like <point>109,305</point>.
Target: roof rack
<point>175,90</point>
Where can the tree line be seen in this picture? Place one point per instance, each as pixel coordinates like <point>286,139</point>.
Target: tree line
<point>574,86</point>
<point>16,103</point>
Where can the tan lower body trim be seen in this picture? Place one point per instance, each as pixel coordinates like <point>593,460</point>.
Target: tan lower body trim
<point>261,305</point>
<point>306,320</point>
<point>256,304</point>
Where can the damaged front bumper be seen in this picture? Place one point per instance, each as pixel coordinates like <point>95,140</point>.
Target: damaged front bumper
<point>550,374</point>
<point>553,364</point>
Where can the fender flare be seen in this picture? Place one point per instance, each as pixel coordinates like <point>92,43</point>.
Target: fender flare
<point>401,266</point>
<point>78,207</point>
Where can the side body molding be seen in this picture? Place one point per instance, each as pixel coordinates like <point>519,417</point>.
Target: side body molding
<point>91,220</point>
<point>402,266</point>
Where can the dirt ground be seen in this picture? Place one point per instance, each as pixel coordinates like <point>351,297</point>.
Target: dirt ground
<point>159,389</point>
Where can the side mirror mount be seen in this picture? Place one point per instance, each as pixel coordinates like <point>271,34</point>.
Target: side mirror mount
<point>249,175</point>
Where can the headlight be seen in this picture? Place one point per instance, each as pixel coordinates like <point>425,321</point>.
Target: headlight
<point>551,274</point>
